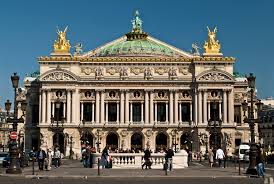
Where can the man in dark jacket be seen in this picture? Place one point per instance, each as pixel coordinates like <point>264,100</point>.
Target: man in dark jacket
<point>41,155</point>
<point>147,162</point>
<point>168,157</point>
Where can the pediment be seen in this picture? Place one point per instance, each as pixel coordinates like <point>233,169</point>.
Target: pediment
<point>58,75</point>
<point>215,76</point>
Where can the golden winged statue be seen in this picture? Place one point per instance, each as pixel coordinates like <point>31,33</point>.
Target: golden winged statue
<point>61,45</point>
<point>212,46</point>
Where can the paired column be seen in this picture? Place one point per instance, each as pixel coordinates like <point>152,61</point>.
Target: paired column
<point>205,107</point>
<point>176,107</point>
<point>146,107</point>
<point>74,110</point>
<point>142,112</point>
<point>68,106</point>
<point>190,107</point>
<point>196,106</point>
<point>167,112</point>
<point>93,113</point>
<point>200,108</point>
<point>43,110</point>
<point>225,106</point>
<point>97,107</point>
<point>106,112</point>
<point>171,112</point>
<point>122,108</point>
<point>102,106</point>
<point>180,112</point>
<point>48,106</point>
<point>155,112</point>
<point>82,111</point>
<point>118,113</point>
<point>231,107</point>
<point>151,105</point>
<point>131,113</point>
<point>208,110</point>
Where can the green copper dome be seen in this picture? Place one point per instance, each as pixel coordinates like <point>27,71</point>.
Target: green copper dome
<point>135,44</point>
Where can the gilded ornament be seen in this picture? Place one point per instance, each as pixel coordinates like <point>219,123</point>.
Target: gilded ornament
<point>161,70</point>
<point>136,70</point>
<point>87,70</point>
<point>61,45</point>
<point>212,46</point>
<point>112,70</point>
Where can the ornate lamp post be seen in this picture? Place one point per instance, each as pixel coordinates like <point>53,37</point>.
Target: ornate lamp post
<point>98,140</point>
<point>55,127</point>
<point>250,119</point>
<point>174,139</point>
<point>14,167</point>
<point>206,143</point>
<point>70,148</point>
<point>83,132</point>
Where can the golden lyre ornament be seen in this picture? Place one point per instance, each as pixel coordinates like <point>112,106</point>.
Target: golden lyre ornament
<point>61,45</point>
<point>212,46</point>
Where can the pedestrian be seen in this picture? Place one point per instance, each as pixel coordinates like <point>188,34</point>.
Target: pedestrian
<point>168,158</point>
<point>41,155</point>
<point>225,158</point>
<point>49,159</point>
<point>260,162</point>
<point>147,162</point>
<point>104,158</point>
<point>220,156</point>
<point>57,157</point>
<point>210,157</point>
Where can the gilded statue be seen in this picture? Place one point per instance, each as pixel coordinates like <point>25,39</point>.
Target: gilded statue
<point>61,45</point>
<point>136,22</point>
<point>212,46</point>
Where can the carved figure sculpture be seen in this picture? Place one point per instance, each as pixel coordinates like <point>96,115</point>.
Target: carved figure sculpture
<point>61,44</point>
<point>212,46</point>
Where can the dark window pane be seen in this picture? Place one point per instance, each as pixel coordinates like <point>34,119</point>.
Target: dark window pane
<point>87,111</point>
<point>161,112</point>
<point>112,112</point>
<point>237,114</point>
<point>136,108</point>
<point>185,111</point>
<point>58,113</point>
<point>35,115</point>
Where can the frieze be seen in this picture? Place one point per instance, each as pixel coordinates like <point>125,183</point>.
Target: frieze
<point>58,76</point>
<point>112,70</point>
<point>87,70</point>
<point>124,73</point>
<point>184,70</point>
<point>185,95</point>
<point>161,70</point>
<point>173,73</point>
<point>148,73</point>
<point>137,70</point>
<point>99,73</point>
<point>214,76</point>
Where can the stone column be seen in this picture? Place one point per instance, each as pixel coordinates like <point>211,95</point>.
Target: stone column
<point>167,112</point>
<point>176,107</point>
<point>196,107</point>
<point>190,107</point>
<point>97,107</point>
<point>146,107</point>
<point>142,112</point>
<point>53,108</point>
<point>102,106</point>
<point>127,108</point>
<point>106,112</point>
<point>225,106</point>
<point>205,107</point>
<point>82,111</point>
<point>68,106</point>
<point>40,107</point>
<point>48,106</point>
<point>74,108</point>
<point>93,113</point>
<point>208,110</point>
<point>151,114</point>
<point>43,111</point>
<point>180,112</point>
<point>122,107</point>
<point>231,107</point>
<point>131,113</point>
<point>118,110</point>
<point>200,108</point>
<point>64,109</point>
<point>171,112</point>
<point>220,111</point>
<point>155,113</point>
<point>77,99</point>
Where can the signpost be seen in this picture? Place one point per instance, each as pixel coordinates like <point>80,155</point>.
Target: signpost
<point>13,135</point>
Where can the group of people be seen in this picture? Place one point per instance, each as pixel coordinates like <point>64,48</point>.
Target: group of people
<point>46,158</point>
<point>221,156</point>
<point>87,156</point>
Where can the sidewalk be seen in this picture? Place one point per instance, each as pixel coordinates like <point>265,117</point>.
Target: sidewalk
<point>74,169</point>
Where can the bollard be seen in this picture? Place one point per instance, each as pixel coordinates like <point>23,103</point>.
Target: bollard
<point>32,165</point>
<point>165,167</point>
<point>239,167</point>
<point>98,170</point>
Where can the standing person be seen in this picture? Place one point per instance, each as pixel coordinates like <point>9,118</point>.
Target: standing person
<point>168,157</point>
<point>210,157</point>
<point>104,158</point>
<point>220,156</point>
<point>225,158</point>
<point>49,159</point>
<point>41,155</point>
<point>147,162</point>
<point>260,162</point>
<point>57,157</point>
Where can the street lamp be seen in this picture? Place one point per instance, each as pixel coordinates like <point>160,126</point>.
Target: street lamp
<point>250,119</point>
<point>206,143</point>
<point>70,149</point>
<point>174,139</point>
<point>56,128</point>
<point>14,167</point>
<point>98,140</point>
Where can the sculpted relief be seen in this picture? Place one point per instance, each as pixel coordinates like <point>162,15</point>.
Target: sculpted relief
<point>58,76</point>
<point>215,76</point>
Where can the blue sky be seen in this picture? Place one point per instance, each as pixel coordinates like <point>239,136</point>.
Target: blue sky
<point>245,30</point>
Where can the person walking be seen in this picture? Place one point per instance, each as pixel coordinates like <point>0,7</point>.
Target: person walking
<point>49,159</point>
<point>260,162</point>
<point>104,158</point>
<point>147,162</point>
<point>57,157</point>
<point>168,157</point>
<point>41,155</point>
<point>220,156</point>
<point>210,157</point>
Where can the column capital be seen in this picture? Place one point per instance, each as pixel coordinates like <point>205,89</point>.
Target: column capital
<point>149,90</point>
<point>124,90</point>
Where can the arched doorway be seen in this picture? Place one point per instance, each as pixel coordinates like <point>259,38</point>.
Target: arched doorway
<point>112,141</point>
<point>136,142</point>
<point>185,141</point>
<point>59,141</point>
<point>161,142</point>
<point>215,142</point>
<point>86,139</point>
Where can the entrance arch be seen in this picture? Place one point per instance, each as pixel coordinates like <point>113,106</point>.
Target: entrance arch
<point>136,142</point>
<point>185,141</point>
<point>112,141</point>
<point>59,141</point>
<point>87,139</point>
<point>161,142</point>
<point>212,140</point>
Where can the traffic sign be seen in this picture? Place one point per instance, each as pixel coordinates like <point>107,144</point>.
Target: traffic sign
<point>13,135</point>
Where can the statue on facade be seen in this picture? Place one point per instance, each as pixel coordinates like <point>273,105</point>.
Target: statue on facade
<point>212,46</point>
<point>148,73</point>
<point>61,44</point>
<point>173,72</point>
<point>124,72</point>
<point>78,49</point>
<point>195,49</point>
<point>136,22</point>
<point>99,72</point>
